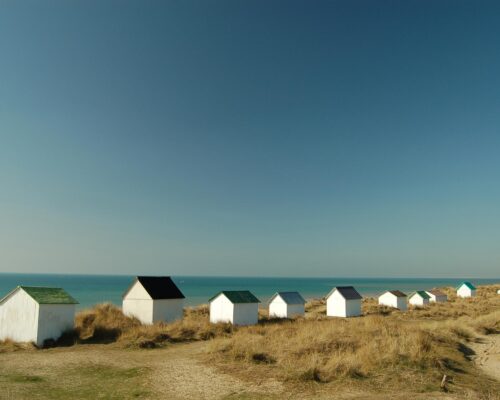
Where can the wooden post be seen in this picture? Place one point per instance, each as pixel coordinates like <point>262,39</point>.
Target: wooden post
<point>443,383</point>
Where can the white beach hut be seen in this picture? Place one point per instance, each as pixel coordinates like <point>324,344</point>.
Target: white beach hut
<point>36,314</point>
<point>498,291</point>
<point>153,299</point>
<point>419,298</point>
<point>286,305</point>
<point>239,307</point>
<point>466,289</point>
<point>343,301</point>
<point>393,298</point>
<point>437,296</point>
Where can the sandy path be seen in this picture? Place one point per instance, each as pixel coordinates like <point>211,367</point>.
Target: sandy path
<point>488,355</point>
<point>178,372</point>
<point>181,374</point>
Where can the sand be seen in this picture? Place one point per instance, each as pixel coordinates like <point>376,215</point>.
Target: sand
<point>488,355</point>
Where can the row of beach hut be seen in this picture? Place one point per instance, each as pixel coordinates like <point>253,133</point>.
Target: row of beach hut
<point>37,314</point>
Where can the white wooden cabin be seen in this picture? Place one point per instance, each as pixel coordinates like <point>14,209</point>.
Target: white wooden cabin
<point>419,298</point>
<point>153,299</point>
<point>437,296</point>
<point>343,301</point>
<point>394,299</point>
<point>238,307</point>
<point>466,289</point>
<point>36,314</point>
<point>286,305</point>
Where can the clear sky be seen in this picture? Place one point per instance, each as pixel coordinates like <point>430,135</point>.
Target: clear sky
<point>275,138</point>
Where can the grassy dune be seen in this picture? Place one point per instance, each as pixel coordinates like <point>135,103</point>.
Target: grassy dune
<point>384,352</point>
<point>373,351</point>
<point>105,323</point>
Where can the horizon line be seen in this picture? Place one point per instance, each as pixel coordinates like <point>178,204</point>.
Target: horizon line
<point>246,276</point>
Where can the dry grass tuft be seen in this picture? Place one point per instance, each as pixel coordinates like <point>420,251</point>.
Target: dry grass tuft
<point>487,324</point>
<point>8,346</point>
<point>315,308</point>
<point>194,326</point>
<point>105,323</point>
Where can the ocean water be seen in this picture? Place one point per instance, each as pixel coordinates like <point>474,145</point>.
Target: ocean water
<point>93,289</point>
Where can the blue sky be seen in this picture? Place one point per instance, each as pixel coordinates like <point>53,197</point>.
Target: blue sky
<point>275,138</point>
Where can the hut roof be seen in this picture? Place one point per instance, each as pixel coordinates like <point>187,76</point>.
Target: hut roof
<point>289,297</point>
<point>422,294</point>
<point>158,287</point>
<point>397,293</point>
<point>468,284</point>
<point>347,292</point>
<point>238,296</point>
<point>44,295</point>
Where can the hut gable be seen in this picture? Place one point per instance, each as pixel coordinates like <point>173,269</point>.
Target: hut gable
<point>436,292</point>
<point>347,292</point>
<point>18,293</point>
<point>290,298</point>
<point>15,292</point>
<point>422,294</point>
<point>136,292</point>
<point>468,285</point>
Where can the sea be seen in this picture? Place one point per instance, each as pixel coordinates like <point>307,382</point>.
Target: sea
<point>94,289</point>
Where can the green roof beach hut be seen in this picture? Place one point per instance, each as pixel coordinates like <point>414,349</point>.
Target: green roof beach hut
<point>238,307</point>
<point>36,314</point>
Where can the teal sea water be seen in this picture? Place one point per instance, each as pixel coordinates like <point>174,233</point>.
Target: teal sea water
<point>93,289</point>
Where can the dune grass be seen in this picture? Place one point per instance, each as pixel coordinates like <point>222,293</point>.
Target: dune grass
<point>384,350</point>
<point>373,350</point>
<point>8,346</point>
<point>105,323</point>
